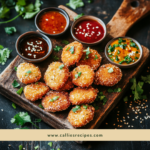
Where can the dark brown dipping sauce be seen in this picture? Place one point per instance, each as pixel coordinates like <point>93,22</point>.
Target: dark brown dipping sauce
<point>34,47</point>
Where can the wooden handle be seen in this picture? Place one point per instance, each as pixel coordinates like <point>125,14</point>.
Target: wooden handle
<point>129,12</point>
<point>71,13</point>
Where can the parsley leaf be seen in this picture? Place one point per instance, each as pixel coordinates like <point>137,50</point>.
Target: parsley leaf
<point>78,75</point>
<point>20,147</point>
<point>85,106</point>
<point>57,48</point>
<point>110,90</point>
<point>65,42</point>
<point>146,79</point>
<point>101,97</point>
<point>21,118</point>
<point>37,120</point>
<point>78,16</point>
<point>27,72</point>
<point>61,66</point>
<point>4,54</point>
<point>77,107</point>
<point>4,10</point>
<point>55,58</point>
<point>67,48</point>
<point>36,147</point>
<point>15,84</point>
<point>10,30</point>
<point>110,70</point>
<point>75,4</point>
<point>13,105</point>
<point>50,144</point>
<point>15,68</point>
<point>87,52</point>
<point>19,92</point>
<point>40,105</point>
<point>71,50</point>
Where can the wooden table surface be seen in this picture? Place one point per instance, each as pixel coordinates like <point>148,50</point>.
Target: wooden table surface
<point>104,9</point>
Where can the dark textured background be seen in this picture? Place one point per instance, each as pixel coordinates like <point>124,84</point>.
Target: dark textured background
<point>140,31</point>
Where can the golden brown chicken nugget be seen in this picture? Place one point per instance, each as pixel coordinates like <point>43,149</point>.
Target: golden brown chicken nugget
<point>82,76</point>
<point>90,57</point>
<point>28,73</point>
<point>56,75</point>
<point>81,115</point>
<point>72,53</point>
<point>56,101</point>
<point>68,85</point>
<point>108,75</point>
<point>35,91</point>
<point>83,95</point>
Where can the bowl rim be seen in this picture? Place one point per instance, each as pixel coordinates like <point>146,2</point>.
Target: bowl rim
<point>33,33</point>
<point>94,18</point>
<point>50,9</point>
<point>121,65</point>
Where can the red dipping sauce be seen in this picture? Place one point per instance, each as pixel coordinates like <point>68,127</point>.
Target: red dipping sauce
<point>89,31</point>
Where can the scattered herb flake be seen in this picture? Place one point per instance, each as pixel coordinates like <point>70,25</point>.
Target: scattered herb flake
<point>146,79</point>
<point>14,105</point>
<point>10,30</point>
<point>4,54</point>
<point>40,105</point>
<point>95,57</point>
<point>55,58</point>
<point>110,90</point>
<point>57,48</point>
<point>36,147</point>
<point>61,66</point>
<point>15,68</point>
<point>54,99</point>
<point>75,4</point>
<point>20,147</point>
<point>50,144</point>
<point>78,75</point>
<point>85,106</point>
<point>15,84</point>
<point>37,120</point>
<point>125,99</point>
<point>110,70</point>
<point>77,107</point>
<point>67,48</point>
<point>71,50</point>
<point>19,92</point>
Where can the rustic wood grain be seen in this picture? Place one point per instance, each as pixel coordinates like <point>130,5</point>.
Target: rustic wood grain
<point>59,119</point>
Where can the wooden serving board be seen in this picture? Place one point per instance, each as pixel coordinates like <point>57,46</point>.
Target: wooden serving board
<point>124,18</point>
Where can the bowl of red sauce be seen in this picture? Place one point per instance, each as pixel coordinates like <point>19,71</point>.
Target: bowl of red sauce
<point>33,46</point>
<point>52,21</point>
<point>88,30</point>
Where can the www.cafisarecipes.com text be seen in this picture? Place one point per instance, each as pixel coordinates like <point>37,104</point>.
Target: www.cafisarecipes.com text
<point>75,135</point>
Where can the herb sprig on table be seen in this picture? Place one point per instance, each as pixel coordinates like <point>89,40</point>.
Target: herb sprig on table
<point>23,9</point>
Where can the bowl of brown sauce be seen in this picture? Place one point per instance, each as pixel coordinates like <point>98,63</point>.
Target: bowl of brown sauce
<point>52,21</point>
<point>33,46</point>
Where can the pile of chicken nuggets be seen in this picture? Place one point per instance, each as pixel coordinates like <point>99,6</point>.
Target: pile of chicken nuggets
<point>65,86</point>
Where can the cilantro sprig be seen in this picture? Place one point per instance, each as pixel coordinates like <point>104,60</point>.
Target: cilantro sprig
<point>57,48</point>
<point>10,30</point>
<point>77,107</point>
<point>65,42</point>
<point>19,92</point>
<point>15,84</point>
<point>146,79</point>
<point>110,90</point>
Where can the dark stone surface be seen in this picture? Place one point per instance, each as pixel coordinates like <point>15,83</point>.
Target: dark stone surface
<point>140,31</point>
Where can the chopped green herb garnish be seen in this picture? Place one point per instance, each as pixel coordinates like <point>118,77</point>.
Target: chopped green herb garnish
<point>128,59</point>
<point>54,99</point>
<point>117,59</point>
<point>87,52</point>
<point>57,48</point>
<point>78,75</point>
<point>10,30</point>
<point>67,48</point>
<point>76,108</point>
<point>132,44</point>
<point>75,4</point>
<point>116,45</point>
<point>95,57</point>
<point>112,59</point>
<point>125,99</point>
<point>61,66</point>
<point>118,52</point>
<point>65,42</point>
<point>50,144</point>
<point>20,147</point>
<point>90,1</point>
<point>137,52</point>
<point>36,83</point>
<point>78,16</point>
<point>38,120</point>
<point>111,48</point>
<point>14,106</point>
<point>146,79</point>
<point>55,58</point>
<point>36,147</point>
<point>136,57</point>
<point>29,71</point>
<point>110,70</point>
<point>15,84</point>
<point>71,50</point>
<point>110,55</point>
<point>121,62</point>
<point>40,105</point>
<point>15,68</point>
<point>19,92</point>
<point>58,148</point>
<point>85,106</point>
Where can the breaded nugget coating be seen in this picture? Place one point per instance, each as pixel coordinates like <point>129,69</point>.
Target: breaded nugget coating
<point>56,101</point>
<point>94,59</point>
<point>69,58</point>
<point>108,78</point>
<point>82,76</point>
<point>83,95</point>
<point>81,117</point>
<point>56,76</point>
<point>68,85</point>
<point>28,73</point>
<point>35,91</point>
